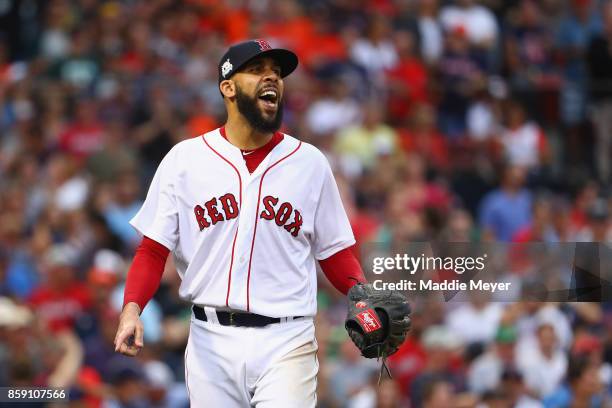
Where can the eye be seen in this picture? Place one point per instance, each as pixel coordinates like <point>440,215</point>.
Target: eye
<point>254,68</point>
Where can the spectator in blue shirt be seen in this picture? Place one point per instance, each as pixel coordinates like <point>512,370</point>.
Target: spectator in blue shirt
<point>583,389</point>
<point>506,209</point>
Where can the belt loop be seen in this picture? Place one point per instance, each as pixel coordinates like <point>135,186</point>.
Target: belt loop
<point>211,314</point>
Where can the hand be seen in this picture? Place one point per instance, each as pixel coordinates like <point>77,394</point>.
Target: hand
<point>129,338</point>
<point>377,320</point>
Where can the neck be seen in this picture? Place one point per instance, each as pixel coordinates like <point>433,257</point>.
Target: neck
<point>581,399</point>
<point>242,135</point>
<point>548,353</point>
<point>510,189</point>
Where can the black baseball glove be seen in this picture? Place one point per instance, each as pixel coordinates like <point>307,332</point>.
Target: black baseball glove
<point>377,320</point>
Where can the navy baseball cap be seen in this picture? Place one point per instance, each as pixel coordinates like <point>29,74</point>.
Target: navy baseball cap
<point>239,54</point>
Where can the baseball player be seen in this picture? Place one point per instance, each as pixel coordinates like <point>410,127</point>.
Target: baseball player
<point>247,212</point>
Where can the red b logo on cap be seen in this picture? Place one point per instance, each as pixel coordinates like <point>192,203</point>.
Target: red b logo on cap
<point>263,45</point>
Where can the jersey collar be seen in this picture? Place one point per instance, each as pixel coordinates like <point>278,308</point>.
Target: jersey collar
<point>234,154</point>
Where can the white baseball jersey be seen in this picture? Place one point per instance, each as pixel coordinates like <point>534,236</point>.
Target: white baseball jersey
<point>246,241</point>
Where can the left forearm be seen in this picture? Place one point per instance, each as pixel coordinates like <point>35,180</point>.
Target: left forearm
<point>343,270</point>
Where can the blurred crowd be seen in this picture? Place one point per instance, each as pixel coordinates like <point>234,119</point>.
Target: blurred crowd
<point>461,121</point>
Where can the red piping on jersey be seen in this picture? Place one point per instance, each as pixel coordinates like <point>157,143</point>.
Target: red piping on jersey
<point>257,218</point>
<point>229,278</point>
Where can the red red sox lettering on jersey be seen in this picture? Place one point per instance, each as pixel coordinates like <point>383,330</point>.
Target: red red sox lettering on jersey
<point>210,213</point>
<point>246,240</point>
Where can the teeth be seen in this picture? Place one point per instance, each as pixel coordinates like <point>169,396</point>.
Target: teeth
<point>266,93</point>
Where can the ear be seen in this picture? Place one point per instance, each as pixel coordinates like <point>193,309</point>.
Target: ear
<point>228,88</point>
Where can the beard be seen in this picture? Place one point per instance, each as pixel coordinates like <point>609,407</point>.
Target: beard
<point>247,106</point>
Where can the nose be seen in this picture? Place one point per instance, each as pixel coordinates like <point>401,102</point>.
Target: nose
<point>271,75</point>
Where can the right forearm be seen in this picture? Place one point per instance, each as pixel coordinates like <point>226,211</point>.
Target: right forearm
<point>145,274</point>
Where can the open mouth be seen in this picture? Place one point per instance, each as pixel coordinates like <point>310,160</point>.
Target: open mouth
<point>269,97</point>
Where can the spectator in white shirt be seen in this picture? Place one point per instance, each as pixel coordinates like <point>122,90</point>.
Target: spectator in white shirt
<point>543,364</point>
<point>485,373</point>
<point>479,22</point>
<point>523,141</point>
<point>376,52</point>
<point>333,111</point>
<point>476,321</point>
<point>430,31</point>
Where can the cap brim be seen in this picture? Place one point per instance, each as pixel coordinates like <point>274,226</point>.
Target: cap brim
<point>286,60</point>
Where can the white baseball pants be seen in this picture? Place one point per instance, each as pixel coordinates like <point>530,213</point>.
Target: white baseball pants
<point>268,367</point>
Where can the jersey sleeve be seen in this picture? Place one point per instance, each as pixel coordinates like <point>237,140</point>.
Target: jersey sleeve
<point>158,216</point>
<point>332,230</point>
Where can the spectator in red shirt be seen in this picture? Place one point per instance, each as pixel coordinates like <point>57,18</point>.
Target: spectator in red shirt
<point>85,135</point>
<point>423,137</point>
<point>420,193</point>
<point>62,299</point>
<point>407,81</point>
<point>411,359</point>
<point>585,197</point>
<point>540,228</point>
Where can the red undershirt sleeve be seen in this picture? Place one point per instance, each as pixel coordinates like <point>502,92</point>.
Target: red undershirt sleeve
<point>343,270</point>
<point>145,273</point>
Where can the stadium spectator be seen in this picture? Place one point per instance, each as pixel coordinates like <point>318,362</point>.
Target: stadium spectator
<point>408,81</point>
<point>486,373</point>
<point>475,321</point>
<point>599,56</point>
<point>350,374</point>
<point>375,51</point>
<point>124,205</point>
<point>523,141</point>
<point>513,386</point>
<point>61,298</point>
<point>430,30</point>
<point>540,228</point>
<point>478,22</point>
<point>529,55</point>
<point>597,228</point>
<point>411,358</point>
<point>507,209</point>
<point>543,364</point>
<point>461,70</point>
<point>442,348</point>
<point>334,111</point>
<point>364,143</point>
<point>84,136</point>
<point>422,137</point>
<point>438,393</point>
<point>583,387</point>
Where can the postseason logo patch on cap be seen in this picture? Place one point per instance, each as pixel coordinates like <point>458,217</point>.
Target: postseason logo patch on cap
<point>226,68</point>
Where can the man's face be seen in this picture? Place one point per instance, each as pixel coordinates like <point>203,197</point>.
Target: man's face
<point>259,91</point>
